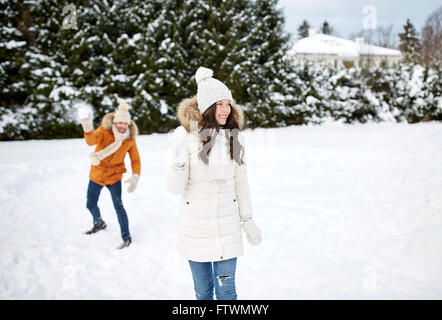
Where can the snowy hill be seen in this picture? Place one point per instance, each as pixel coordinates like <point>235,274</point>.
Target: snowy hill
<point>347,212</point>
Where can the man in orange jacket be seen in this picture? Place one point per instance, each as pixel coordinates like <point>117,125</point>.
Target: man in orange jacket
<point>114,138</point>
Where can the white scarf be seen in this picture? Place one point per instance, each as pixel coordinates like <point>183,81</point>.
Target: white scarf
<point>220,164</point>
<point>97,156</point>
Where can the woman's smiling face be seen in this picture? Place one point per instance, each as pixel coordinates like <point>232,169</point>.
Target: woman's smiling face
<point>222,111</point>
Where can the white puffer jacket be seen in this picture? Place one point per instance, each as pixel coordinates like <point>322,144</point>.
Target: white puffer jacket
<point>209,227</point>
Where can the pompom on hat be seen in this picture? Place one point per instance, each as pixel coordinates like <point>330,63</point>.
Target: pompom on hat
<point>122,114</point>
<point>210,90</point>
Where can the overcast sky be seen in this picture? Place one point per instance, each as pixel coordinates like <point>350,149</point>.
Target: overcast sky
<point>346,16</point>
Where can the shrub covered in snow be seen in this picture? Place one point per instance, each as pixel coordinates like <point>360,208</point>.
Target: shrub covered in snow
<point>319,92</point>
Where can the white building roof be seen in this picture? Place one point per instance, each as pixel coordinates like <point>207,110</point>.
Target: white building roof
<point>323,44</point>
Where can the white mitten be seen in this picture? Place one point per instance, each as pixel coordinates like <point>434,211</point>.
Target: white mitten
<point>85,119</point>
<point>254,235</point>
<point>94,158</point>
<point>179,147</point>
<point>133,181</point>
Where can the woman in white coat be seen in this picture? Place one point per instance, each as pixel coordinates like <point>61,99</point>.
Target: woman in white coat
<point>208,169</point>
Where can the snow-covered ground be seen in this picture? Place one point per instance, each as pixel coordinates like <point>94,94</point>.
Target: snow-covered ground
<point>347,211</point>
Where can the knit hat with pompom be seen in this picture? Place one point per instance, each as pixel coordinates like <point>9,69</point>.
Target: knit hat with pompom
<point>122,114</point>
<point>210,90</point>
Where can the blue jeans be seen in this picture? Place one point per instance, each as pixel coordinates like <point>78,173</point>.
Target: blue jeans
<point>93,193</point>
<point>221,277</point>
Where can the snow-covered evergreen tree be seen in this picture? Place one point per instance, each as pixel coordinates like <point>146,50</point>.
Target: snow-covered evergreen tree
<point>147,52</point>
<point>303,29</point>
<point>14,35</point>
<point>264,68</point>
<point>150,105</point>
<point>409,43</point>
<point>37,73</point>
<point>241,40</point>
<point>14,69</point>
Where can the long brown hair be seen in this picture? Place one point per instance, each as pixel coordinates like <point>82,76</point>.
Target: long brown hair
<point>210,129</point>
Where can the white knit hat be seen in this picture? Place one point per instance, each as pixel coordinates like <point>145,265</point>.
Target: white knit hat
<point>122,114</point>
<point>210,90</point>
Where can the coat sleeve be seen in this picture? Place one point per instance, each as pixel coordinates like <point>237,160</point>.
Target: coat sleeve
<point>177,177</point>
<point>135,160</point>
<point>242,190</point>
<point>94,136</point>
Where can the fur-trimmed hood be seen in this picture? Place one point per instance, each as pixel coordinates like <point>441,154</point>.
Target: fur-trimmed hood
<point>107,121</point>
<point>188,111</point>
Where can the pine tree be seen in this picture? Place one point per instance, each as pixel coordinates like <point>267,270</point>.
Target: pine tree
<point>14,68</point>
<point>147,52</point>
<point>14,35</point>
<point>303,30</point>
<point>242,41</point>
<point>326,28</point>
<point>99,63</point>
<point>150,104</point>
<point>409,43</point>
<point>39,70</point>
<point>263,75</point>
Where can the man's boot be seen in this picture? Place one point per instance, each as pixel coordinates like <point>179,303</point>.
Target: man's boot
<point>97,228</point>
<point>125,243</point>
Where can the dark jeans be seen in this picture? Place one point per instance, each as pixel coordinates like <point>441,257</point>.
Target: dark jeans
<point>93,193</point>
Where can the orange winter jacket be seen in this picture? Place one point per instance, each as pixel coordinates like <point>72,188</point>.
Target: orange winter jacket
<point>111,169</point>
